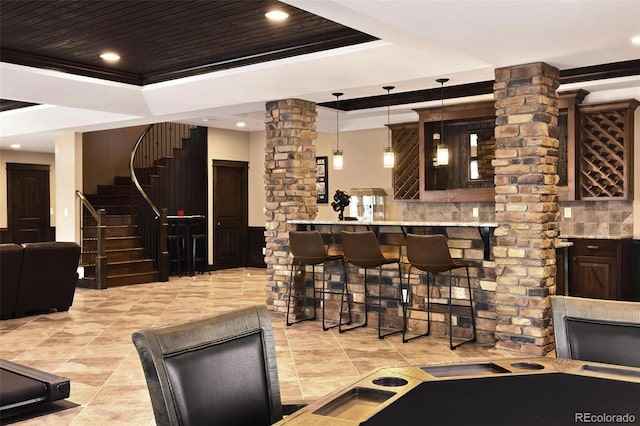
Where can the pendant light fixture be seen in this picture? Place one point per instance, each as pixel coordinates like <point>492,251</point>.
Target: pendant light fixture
<point>442,152</point>
<point>389,159</point>
<point>337,154</point>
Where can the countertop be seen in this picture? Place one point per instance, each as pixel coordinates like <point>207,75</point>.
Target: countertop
<point>598,237</point>
<point>394,223</point>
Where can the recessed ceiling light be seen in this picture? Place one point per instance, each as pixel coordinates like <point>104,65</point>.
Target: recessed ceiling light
<point>635,39</point>
<point>15,146</point>
<point>276,15</point>
<point>110,57</point>
<point>241,124</point>
<point>205,119</point>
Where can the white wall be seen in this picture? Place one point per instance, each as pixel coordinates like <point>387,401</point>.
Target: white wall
<point>68,153</point>
<point>17,156</point>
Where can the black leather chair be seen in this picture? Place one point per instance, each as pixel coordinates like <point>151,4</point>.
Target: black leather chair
<point>219,370</point>
<point>597,330</point>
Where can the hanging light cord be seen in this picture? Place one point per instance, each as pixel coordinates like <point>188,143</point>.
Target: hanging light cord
<point>337,95</point>
<point>388,89</point>
<point>442,81</point>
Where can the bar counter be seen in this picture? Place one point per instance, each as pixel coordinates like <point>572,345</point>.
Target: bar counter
<point>406,227</point>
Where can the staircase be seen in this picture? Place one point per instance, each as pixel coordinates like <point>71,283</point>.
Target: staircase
<point>126,260</point>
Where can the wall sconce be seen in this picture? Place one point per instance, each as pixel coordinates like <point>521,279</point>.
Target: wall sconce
<point>338,160</point>
<point>442,151</point>
<point>388,159</point>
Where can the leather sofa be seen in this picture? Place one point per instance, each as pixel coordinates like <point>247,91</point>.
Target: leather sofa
<point>36,277</point>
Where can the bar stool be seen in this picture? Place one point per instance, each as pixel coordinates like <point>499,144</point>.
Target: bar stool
<point>197,256</point>
<point>430,253</point>
<point>308,248</point>
<point>176,245</point>
<point>361,249</point>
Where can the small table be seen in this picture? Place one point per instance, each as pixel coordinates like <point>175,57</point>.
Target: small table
<point>188,222</point>
<point>512,391</point>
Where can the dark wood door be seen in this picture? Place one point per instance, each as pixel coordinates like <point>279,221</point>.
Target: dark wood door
<point>230,213</point>
<point>28,202</point>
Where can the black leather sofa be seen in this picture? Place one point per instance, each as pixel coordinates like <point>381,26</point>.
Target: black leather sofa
<point>36,277</point>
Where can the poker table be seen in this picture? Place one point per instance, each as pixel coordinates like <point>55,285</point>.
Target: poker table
<point>528,391</point>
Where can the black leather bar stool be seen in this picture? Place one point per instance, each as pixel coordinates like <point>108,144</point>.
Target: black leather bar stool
<point>176,242</point>
<point>199,253</point>
<point>361,249</point>
<point>430,254</point>
<point>308,248</point>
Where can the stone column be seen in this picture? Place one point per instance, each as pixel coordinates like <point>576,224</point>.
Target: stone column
<point>290,186</point>
<point>526,205</point>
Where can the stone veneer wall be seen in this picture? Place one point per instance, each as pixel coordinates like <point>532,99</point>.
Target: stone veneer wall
<point>290,187</point>
<point>526,205</point>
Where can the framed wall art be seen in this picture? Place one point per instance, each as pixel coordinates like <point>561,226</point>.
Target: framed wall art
<point>322,180</point>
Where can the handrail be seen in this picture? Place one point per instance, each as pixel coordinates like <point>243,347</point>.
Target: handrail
<point>88,205</point>
<point>134,178</point>
<point>101,243</point>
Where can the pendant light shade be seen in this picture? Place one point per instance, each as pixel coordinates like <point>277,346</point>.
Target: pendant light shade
<point>389,158</point>
<point>442,151</point>
<point>338,160</point>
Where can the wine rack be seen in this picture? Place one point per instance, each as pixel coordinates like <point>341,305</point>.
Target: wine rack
<point>605,160</point>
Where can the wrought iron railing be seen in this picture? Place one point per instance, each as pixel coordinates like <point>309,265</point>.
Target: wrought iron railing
<point>93,240</point>
<point>154,146</point>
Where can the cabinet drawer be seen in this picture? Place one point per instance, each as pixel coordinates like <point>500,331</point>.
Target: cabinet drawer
<point>608,248</point>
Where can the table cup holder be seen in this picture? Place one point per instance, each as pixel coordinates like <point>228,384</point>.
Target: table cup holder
<point>390,381</point>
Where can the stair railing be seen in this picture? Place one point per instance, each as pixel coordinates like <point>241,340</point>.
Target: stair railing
<point>156,143</point>
<point>93,219</point>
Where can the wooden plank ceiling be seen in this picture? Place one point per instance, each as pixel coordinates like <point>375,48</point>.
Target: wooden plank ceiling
<point>159,40</point>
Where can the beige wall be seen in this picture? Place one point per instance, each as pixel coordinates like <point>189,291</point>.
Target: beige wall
<point>106,154</point>
<point>10,156</point>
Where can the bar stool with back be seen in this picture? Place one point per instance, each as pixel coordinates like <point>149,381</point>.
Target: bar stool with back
<point>308,248</point>
<point>361,249</point>
<point>430,253</point>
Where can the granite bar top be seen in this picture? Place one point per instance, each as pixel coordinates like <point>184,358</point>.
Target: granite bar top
<point>394,223</point>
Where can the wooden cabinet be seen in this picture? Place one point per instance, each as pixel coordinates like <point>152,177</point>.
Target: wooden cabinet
<point>601,269</point>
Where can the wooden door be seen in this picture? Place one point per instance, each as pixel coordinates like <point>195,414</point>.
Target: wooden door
<point>28,202</point>
<point>230,213</point>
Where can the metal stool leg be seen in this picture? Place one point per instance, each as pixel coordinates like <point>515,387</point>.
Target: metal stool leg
<point>346,289</point>
<point>473,320</point>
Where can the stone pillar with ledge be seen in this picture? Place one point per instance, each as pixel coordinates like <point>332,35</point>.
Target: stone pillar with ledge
<point>526,205</point>
<point>290,187</point>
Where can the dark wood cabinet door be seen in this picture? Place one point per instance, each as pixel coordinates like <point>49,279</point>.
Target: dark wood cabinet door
<point>594,277</point>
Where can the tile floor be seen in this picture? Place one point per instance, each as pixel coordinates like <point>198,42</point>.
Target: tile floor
<point>91,345</point>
